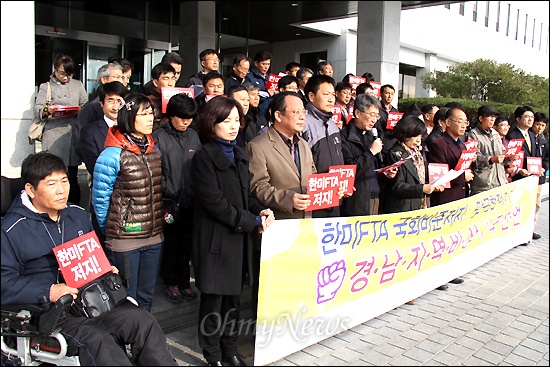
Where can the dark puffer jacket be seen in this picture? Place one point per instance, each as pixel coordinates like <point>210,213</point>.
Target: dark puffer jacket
<point>127,188</point>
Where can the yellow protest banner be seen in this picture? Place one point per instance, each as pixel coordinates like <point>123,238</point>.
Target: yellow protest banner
<point>319,277</point>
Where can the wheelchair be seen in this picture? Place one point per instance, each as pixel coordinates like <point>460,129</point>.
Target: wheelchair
<point>30,335</point>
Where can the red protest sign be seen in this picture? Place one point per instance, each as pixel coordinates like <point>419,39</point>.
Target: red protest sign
<point>471,144</point>
<point>346,176</point>
<point>534,165</point>
<point>514,147</point>
<point>437,170</point>
<point>336,114</point>
<point>272,81</point>
<point>393,118</point>
<point>62,111</point>
<point>517,163</point>
<point>356,80</point>
<point>82,260</point>
<point>466,159</point>
<point>322,189</point>
<point>376,87</point>
<point>168,93</point>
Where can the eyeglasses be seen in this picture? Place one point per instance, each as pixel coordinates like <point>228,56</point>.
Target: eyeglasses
<point>64,74</point>
<point>298,112</point>
<point>214,59</point>
<point>151,113</point>
<point>461,122</point>
<point>372,115</point>
<point>116,76</point>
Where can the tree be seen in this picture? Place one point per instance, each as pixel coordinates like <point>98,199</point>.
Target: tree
<point>488,81</point>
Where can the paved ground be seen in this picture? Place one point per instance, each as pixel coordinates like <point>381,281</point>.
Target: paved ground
<point>498,316</point>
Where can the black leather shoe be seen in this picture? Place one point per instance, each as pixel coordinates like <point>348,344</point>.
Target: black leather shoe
<point>442,287</point>
<point>457,281</point>
<point>536,236</point>
<point>234,361</point>
<point>217,363</point>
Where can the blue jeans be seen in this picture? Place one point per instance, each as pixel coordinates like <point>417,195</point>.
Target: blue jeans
<point>144,266</point>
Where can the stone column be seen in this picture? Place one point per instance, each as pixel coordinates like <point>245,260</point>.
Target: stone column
<point>18,90</point>
<point>197,32</point>
<point>378,27</point>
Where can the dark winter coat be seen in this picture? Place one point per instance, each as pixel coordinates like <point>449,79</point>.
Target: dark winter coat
<point>177,150</point>
<point>355,153</point>
<point>445,150</point>
<point>225,214</point>
<point>405,191</point>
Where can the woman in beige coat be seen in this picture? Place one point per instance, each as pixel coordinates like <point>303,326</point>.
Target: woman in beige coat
<point>56,137</point>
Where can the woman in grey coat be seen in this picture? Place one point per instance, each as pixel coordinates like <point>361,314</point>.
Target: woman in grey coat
<point>56,137</point>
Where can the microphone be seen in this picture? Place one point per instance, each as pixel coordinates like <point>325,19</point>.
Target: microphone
<point>375,136</point>
<point>374,133</point>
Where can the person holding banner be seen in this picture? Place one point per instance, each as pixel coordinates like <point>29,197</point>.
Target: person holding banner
<point>408,190</point>
<point>489,167</point>
<point>280,163</point>
<point>362,148</point>
<point>225,214</point>
<point>525,117</point>
<point>447,149</point>
<point>321,133</point>
<point>39,219</point>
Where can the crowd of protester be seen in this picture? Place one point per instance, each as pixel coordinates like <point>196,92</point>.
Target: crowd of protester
<point>205,176</point>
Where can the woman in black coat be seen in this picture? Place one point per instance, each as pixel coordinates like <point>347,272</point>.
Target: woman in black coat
<point>225,214</point>
<point>408,190</point>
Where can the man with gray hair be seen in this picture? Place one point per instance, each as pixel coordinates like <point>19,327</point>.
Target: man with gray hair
<point>362,146</point>
<point>303,75</point>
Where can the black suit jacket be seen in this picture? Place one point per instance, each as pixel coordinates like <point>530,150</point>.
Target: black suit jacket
<point>445,150</point>
<point>92,140</point>
<point>516,133</point>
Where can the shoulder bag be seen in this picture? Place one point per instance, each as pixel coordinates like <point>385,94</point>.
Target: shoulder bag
<point>101,295</point>
<point>37,125</point>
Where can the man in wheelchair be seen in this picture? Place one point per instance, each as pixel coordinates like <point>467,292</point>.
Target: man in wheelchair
<point>39,219</point>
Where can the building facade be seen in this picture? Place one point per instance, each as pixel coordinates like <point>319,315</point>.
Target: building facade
<point>396,41</point>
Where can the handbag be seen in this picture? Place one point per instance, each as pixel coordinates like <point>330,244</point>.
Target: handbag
<point>37,125</point>
<point>101,295</point>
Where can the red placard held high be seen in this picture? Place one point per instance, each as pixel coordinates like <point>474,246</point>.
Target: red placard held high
<point>393,119</point>
<point>272,81</point>
<point>167,93</point>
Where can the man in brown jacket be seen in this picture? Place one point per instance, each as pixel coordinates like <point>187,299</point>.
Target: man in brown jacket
<point>280,160</point>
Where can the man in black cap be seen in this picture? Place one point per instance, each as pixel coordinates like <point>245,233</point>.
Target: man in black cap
<point>489,166</point>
